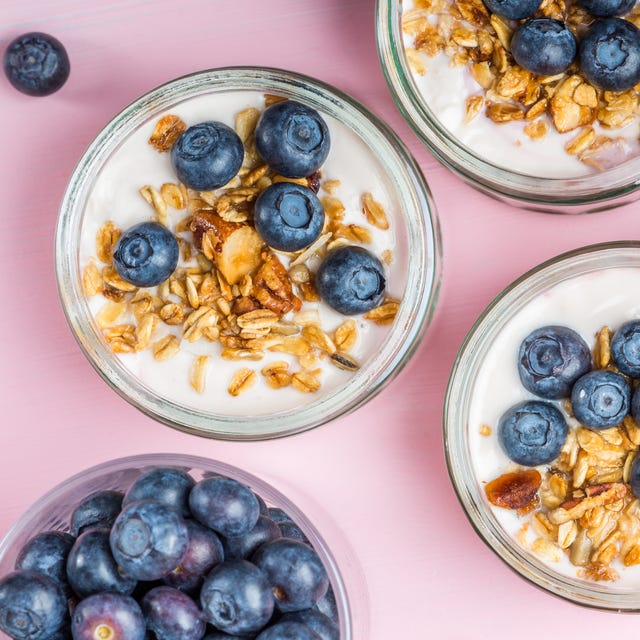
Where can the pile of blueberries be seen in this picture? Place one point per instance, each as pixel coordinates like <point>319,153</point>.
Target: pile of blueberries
<point>172,559</point>
<point>554,363</point>
<point>293,139</point>
<point>608,54</point>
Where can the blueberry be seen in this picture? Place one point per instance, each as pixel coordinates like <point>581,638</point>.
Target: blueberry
<point>288,216</point>
<point>316,621</point>
<point>295,572</point>
<point>544,46</point>
<point>108,615</point>
<point>91,567</point>
<point>513,9</point>
<point>634,477</point>
<point>224,505</point>
<point>609,54</point>
<point>237,598</point>
<point>99,509</point>
<point>172,615</point>
<point>32,605</point>
<point>292,138</point>
<point>327,605</point>
<point>36,64</point>
<point>166,485</point>
<point>243,546</point>
<point>606,8</point>
<point>264,510</point>
<point>149,539</point>
<point>288,631</point>
<point>204,551</point>
<point>278,515</point>
<point>551,359</point>
<point>290,529</point>
<point>532,432</point>
<point>219,635</point>
<point>207,155</point>
<point>625,348</point>
<point>351,280</point>
<point>47,553</point>
<point>146,254</point>
<point>601,399</point>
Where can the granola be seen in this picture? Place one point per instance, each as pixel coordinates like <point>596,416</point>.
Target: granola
<point>232,298</point>
<point>471,37</point>
<point>581,506</point>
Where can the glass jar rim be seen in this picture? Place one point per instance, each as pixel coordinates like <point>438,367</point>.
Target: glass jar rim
<point>26,521</point>
<point>456,413</point>
<point>418,214</point>
<point>592,192</point>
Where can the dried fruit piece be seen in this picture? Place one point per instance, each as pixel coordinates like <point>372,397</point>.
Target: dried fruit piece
<point>514,490</point>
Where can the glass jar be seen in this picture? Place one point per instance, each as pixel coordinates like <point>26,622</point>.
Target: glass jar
<point>585,290</point>
<point>52,512</point>
<point>587,193</point>
<point>416,255</point>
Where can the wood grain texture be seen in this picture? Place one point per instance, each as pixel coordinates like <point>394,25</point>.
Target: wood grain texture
<point>375,479</point>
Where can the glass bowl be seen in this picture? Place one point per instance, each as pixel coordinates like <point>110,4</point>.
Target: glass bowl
<point>592,192</point>
<point>53,511</point>
<point>260,413</point>
<point>586,290</point>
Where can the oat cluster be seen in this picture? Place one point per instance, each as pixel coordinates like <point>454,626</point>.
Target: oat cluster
<point>582,505</point>
<point>229,287</point>
<point>467,32</point>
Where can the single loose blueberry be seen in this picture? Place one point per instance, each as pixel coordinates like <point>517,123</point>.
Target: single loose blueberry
<point>288,631</point>
<point>224,505</point>
<point>91,567</point>
<point>292,138</point>
<point>316,621</point>
<point>32,605</point>
<point>172,615</point>
<point>243,546</point>
<point>532,432</point>
<point>149,539</point>
<point>544,46</point>
<point>288,216</point>
<point>36,64</point>
<point>47,553</point>
<point>204,551</point>
<point>207,155</point>
<point>607,8</point>
<point>146,254</point>
<point>551,359</point>
<point>108,615</point>
<point>513,9</point>
<point>167,485</point>
<point>625,348</point>
<point>98,509</point>
<point>601,399</point>
<point>351,280</point>
<point>237,598</point>
<point>295,572</point>
<point>609,54</point>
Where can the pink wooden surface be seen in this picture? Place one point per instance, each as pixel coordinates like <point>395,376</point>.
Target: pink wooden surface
<point>379,474</point>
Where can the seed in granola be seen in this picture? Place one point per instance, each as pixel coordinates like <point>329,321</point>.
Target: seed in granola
<point>374,212</point>
<point>344,361</point>
<point>165,348</point>
<point>305,381</point>
<point>199,373</point>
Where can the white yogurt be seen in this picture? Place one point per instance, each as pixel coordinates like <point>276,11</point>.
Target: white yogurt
<point>445,89</point>
<point>584,303</point>
<point>115,196</point>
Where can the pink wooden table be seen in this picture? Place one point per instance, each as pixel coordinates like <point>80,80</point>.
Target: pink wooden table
<point>379,474</point>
